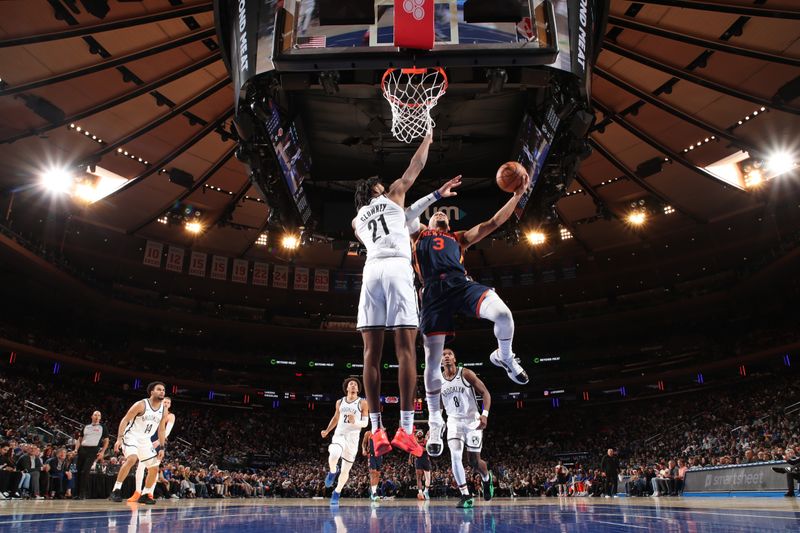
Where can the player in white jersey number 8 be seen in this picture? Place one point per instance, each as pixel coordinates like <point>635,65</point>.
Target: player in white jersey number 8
<point>465,424</point>
<point>144,419</point>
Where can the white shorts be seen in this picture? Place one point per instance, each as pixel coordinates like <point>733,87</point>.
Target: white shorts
<point>142,448</point>
<point>348,444</point>
<point>388,299</point>
<point>465,430</point>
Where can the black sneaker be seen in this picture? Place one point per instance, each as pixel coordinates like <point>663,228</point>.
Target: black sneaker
<point>146,499</point>
<point>789,494</point>
<point>116,496</point>
<point>488,487</point>
<point>466,502</point>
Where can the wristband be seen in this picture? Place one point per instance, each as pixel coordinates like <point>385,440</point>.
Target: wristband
<point>437,195</point>
<point>485,413</point>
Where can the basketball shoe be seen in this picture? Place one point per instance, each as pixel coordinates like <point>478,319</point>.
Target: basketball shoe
<point>380,442</point>
<point>406,442</point>
<point>511,366</point>
<point>135,497</point>
<point>435,446</point>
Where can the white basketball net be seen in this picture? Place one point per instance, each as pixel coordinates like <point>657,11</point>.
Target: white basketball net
<point>411,94</point>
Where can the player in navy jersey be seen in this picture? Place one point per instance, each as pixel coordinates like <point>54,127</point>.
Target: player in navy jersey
<point>447,291</point>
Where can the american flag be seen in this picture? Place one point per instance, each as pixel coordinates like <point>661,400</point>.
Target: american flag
<point>316,41</point>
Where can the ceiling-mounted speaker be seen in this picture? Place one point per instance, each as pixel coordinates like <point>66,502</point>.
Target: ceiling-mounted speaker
<point>476,11</point>
<point>180,177</point>
<point>98,8</point>
<point>346,12</point>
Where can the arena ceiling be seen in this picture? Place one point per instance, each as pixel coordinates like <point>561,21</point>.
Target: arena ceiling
<point>678,86</point>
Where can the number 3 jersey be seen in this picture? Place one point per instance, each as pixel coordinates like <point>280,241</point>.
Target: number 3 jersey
<point>381,226</point>
<point>144,426</point>
<point>437,255</point>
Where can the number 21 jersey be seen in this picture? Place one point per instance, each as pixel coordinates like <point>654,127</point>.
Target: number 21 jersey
<point>381,226</point>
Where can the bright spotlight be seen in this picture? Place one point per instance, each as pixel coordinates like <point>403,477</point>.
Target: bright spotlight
<point>637,218</point>
<point>57,180</point>
<point>535,238</point>
<point>86,193</point>
<point>290,242</point>
<point>194,227</point>
<point>780,162</point>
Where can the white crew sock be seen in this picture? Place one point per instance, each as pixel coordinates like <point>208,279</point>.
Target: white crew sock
<point>375,421</point>
<point>407,421</point>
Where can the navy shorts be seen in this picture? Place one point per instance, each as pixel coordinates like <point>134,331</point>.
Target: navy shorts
<point>445,298</point>
<point>423,463</point>
<point>375,463</point>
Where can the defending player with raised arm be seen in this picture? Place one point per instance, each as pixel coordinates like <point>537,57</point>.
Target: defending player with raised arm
<point>416,209</point>
<point>350,417</point>
<point>388,300</point>
<point>144,419</point>
<point>465,424</point>
<point>447,291</point>
<point>140,467</point>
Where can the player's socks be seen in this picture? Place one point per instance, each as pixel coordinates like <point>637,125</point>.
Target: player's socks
<point>375,421</point>
<point>434,402</point>
<point>504,346</point>
<point>118,485</point>
<point>407,421</point>
<point>464,490</point>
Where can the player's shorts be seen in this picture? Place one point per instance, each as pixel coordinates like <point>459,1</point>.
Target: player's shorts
<point>443,299</point>
<point>423,463</point>
<point>375,463</point>
<point>466,430</point>
<point>349,446</point>
<point>142,448</point>
<point>388,299</point>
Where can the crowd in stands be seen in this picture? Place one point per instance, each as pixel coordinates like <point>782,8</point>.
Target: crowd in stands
<point>220,451</point>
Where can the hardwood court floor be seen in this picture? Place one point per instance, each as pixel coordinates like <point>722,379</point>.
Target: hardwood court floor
<point>691,515</point>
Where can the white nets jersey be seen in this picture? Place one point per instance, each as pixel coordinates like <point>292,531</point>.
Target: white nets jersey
<point>145,425</point>
<point>381,226</point>
<point>349,413</point>
<point>459,397</point>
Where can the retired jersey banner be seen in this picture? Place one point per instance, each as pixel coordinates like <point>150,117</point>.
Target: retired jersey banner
<point>197,264</point>
<point>175,259</point>
<point>322,278</point>
<point>239,274</point>
<point>219,267</point>
<point>301,278</point>
<point>280,276</point>
<point>152,254</point>
<point>413,24</point>
<point>260,274</point>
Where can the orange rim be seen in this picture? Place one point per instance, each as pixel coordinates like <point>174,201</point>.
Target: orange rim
<point>413,71</point>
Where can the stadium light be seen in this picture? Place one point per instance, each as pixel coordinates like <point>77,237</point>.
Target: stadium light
<point>637,218</point>
<point>535,238</point>
<point>194,227</point>
<point>57,180</point>
<point>780,162</point>
<point>290,242</point>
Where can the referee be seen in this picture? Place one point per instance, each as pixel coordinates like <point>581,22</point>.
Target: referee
<point>89,450</point>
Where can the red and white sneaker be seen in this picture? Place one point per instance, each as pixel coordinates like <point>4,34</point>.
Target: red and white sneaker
<point>407,443</point>
<point>380,441</point>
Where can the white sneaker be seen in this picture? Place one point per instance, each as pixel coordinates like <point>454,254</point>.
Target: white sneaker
<point>512,367</point>
<point>435,445</point>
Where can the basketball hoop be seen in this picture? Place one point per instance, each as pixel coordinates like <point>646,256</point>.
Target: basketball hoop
<point>412,93</point>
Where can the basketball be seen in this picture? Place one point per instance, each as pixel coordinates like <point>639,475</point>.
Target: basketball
<point>510,176</point>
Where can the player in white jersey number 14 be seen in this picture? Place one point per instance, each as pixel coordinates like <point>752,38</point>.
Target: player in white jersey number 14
<point>465,424</point>
<point>141,468</point>
<point>144,419</point>
<point>350,417</point>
